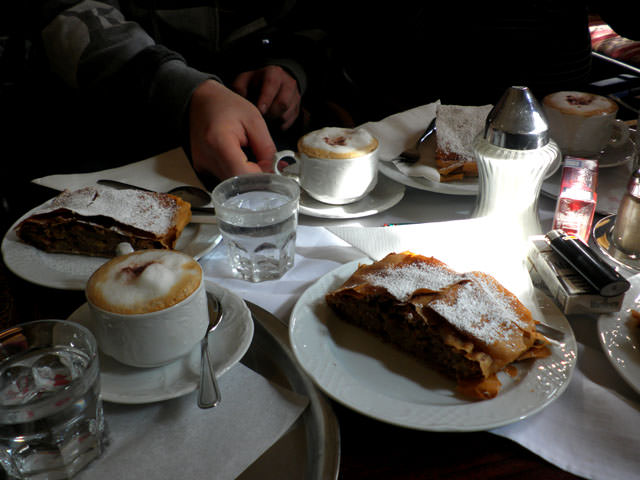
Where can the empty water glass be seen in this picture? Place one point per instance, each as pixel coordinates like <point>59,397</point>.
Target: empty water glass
<point>258,216</point>
<point>51,419</point>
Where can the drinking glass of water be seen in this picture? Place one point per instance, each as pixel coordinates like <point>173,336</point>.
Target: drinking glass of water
<point>51,420</point>
<point>258,216</point>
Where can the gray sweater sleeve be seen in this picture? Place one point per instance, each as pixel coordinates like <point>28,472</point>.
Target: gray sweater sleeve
<point>92,47</point>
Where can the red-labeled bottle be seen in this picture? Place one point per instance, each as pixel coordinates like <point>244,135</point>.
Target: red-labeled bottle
<point>577,199</point>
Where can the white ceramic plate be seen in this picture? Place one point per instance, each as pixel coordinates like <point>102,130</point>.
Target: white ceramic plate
<point>71,272</point>
<point>466,186</point>
<point>612,182</point>
<point>376,379</point>
<point>619,336</point>
<point>227,344</point>
<point>385,195</point>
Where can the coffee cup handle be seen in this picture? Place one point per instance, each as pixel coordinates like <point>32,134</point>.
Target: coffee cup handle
<point>620,134</point>
<point>278,156</point>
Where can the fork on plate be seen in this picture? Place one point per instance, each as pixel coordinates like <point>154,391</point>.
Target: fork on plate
<point>412,154</point>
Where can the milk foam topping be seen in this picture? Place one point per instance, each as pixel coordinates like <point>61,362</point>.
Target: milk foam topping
<point>337,142</point>
<point>144,281</point>
<point>580,103</point>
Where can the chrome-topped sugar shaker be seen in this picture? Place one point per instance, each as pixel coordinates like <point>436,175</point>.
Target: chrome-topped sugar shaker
<point>513,152</point>
<point>626,231</point>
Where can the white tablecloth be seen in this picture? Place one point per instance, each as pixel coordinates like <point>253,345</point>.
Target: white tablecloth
<point>592,430</point>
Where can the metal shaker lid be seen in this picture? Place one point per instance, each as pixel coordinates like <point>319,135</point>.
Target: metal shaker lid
<point>633,187</point>
<point>517,121</point>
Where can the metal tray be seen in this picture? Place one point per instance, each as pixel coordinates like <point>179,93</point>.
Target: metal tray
<point>311,448</point>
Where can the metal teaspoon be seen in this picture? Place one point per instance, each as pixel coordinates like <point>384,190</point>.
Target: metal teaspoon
<point>208,390</point>
<point>197,197</point>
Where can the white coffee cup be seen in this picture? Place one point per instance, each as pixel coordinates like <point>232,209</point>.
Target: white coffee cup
<point>149,307</point>
<point>583,124</point>
<point>335,165</point>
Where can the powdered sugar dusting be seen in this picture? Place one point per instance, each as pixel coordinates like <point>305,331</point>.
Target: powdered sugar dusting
<point>403,281</point>
<point>142,210</point>
<point>458,125</point>
<point>480,311</point>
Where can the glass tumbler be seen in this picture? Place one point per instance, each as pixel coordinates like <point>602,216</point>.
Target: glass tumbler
<point>258,216</point>
<point>51,417</point>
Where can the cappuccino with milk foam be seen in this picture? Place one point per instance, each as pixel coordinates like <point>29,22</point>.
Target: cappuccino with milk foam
<point>583,123</point>
<point>148,307</point>
<point>144,281</point>
<point>336,165</point>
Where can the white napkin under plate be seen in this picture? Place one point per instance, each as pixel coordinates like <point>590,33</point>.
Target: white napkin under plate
<point>400,132</point>
<point>593,429</point>
<point>176,439</point>
<point>160,173</point>
<point>317,252</point>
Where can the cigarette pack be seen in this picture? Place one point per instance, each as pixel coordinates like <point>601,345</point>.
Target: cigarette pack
<point>569,290</point>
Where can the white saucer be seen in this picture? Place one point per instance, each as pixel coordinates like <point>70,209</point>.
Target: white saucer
<point>385,195</point>
<point>71,272</point>
<point>612,156</point>
<point>227,345</point>
<point>603,238</point>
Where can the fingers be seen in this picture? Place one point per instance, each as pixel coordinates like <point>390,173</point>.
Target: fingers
<point>279,96</point>
<point>260,142</point>
<point>241,84</point>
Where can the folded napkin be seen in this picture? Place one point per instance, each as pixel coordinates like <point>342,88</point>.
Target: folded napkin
<point>593,429</point>
<point>400,132</point>
<point>317,252</point>
<point>465,245</point>
<point>160,173</point>
<point>176,439</point>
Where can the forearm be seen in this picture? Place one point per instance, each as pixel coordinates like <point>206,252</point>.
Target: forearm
<point>93,48</point>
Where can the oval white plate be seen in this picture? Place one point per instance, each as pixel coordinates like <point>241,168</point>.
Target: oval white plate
<point>374,378</point>
<point>385,195</point>
<point>71,272</point>
<point>619,336</point>
<point>227,344</point>
<point>466,186</point>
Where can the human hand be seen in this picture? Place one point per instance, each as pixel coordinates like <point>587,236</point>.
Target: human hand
<point>277,93</point>
<point>221,123</point>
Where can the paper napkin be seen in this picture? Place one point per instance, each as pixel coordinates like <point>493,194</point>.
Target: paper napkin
<point>401,131</point>
<point>317,252</point>
<point>176,439</point>
<point>160,173</point>
<point>465,245</point>
<point>592,430</point>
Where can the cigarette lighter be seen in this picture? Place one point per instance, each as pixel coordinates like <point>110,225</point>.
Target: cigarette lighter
<point>580,256</point>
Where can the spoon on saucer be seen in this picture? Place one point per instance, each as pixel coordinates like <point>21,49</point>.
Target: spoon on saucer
<point>208,390</point>
<point>197,197</point>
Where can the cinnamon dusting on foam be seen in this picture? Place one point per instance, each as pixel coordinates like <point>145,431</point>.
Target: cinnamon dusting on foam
<point>337,142</point>
<point>342,141</point>
<point>131,272</point>
<point>579,100</point>
<point>580,103</point>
